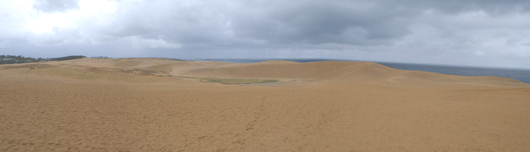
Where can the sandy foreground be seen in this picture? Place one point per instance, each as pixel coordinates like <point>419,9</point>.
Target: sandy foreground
<point>160,105</point>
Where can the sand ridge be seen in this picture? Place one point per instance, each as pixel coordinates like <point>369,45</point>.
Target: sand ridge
<point>144,105</point>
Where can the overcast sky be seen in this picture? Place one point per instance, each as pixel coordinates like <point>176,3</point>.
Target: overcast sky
<point>487,33</point>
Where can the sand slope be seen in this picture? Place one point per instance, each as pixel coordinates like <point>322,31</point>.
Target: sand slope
<point>140,105</point>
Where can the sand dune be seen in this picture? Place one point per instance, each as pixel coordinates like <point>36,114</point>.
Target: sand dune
<point>272,69</point>
<point>128,64</point>
<point>338,71</point>
<point>159,105</point>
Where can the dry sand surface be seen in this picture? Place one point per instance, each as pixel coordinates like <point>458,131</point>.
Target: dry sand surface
<point>159,105</point>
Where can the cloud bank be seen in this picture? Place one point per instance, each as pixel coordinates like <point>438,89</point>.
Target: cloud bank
<point>52,6</point>
<point>473,33</point>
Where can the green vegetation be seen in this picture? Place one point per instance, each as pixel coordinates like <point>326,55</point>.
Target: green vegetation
<point>11,59</point>
<point>234,81</point>
<point>73,57</point>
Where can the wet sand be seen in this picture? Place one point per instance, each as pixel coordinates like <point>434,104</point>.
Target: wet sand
<point>156,105</point>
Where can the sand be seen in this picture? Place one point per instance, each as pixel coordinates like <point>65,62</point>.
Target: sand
<point>158,105</point>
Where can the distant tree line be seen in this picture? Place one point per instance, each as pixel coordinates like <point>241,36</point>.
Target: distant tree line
<point>102,57</point>
<point>73,57</point>
<point>11,59</point>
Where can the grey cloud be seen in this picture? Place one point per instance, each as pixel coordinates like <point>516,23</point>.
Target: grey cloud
<point>283,22</point>
<point>379,22</point>
<point>320,22</point>
<point>251,23</point>
<point>493,7</point>
<point>51,6</point>
<point>393,30</point>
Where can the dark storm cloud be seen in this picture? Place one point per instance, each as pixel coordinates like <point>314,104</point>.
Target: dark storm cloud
<point>271,22</point>
<point>251,23</point>
<point>51,6</point>
<point>360,23</point>
<point>347,22</point>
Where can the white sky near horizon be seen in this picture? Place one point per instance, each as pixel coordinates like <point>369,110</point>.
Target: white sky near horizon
<point>468,33</point>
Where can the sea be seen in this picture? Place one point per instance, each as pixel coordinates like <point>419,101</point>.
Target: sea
<point>522,75</point>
